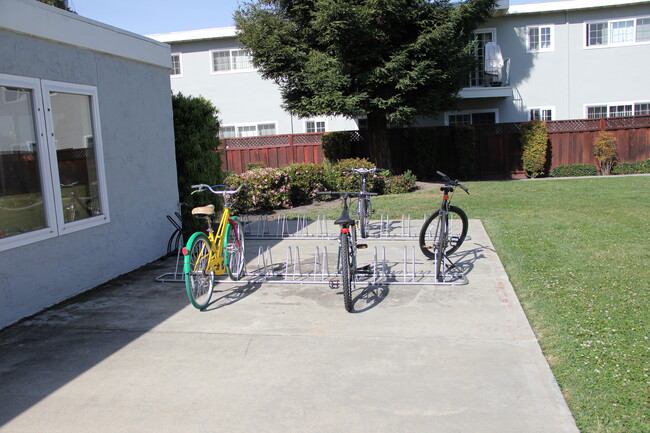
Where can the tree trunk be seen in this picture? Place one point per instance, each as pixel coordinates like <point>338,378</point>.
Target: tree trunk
<point>378,134</point>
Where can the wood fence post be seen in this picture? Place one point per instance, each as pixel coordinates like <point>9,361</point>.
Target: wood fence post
<point>291,156</point>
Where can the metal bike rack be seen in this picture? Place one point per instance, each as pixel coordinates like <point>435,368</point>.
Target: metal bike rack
<point>290,271</point>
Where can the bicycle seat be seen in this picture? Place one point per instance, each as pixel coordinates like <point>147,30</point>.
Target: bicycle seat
<point>204,210</point>
<point>345,220</point>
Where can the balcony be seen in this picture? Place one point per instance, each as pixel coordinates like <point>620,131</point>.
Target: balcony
<point>489,85</point>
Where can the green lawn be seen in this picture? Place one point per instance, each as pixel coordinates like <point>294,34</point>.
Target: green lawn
<point>578,254</point>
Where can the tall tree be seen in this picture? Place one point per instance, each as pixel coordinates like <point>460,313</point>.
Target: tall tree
<point>391,60</point>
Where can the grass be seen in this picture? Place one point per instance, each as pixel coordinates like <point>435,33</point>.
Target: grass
<point>578,254</point>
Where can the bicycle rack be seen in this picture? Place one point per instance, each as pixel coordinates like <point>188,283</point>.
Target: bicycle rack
<point>290,271</point>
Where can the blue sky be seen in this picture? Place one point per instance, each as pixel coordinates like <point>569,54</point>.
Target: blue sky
<point>163,16</point>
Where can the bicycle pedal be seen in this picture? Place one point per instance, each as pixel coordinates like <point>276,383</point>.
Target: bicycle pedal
<point>364,268</point>
<point>427,247</point>
<point>334,284</point>
<point>362,246</point>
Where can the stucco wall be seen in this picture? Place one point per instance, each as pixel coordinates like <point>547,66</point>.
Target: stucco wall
<point>137,132</point>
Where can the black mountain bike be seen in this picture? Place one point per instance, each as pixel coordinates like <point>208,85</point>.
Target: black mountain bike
<point>347,257</point>
<point>445,229</point>
<point>364,207</point>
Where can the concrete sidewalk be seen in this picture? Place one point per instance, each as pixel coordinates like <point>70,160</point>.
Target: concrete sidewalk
<point>134,356</point>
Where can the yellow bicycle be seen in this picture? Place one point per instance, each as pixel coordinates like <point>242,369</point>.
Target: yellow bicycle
<point>213,253</point>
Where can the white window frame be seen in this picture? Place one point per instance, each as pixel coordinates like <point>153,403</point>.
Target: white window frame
<point>539,28</point>
<point>470,112</point>
<point>610,23</point>
<point>231,70</point>
<point>541,111</point>
<point>180,65</point>
<point>608,106</point>
<point>255,125</point>
<point>47,161</point>
<point>315,121</point>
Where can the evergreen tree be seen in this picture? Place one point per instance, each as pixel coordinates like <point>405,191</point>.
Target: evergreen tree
<point>390,60</point>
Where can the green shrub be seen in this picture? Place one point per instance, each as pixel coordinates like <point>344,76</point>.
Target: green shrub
<point>266,189</point>
<point>305,180</point>
<point>571,170</point>
<point>464,137</point>
<point>337,146</point>
<point>401,183</point>
<point>605,151</point>
<point>635,167</point>
<point>196,129</point>
<point>534,142</point>
<point>426,148</point>
<point>255,165</point>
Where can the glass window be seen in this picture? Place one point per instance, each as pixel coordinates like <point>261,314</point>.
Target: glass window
<point>315,126</point>
<point>176,64</point>
<point>231,60</point>
<point>596,112</point>
<point>540,38</point>
<point>75,153</point>
<point>460,119</point>
<point>22,207</point>
<point>596,34</point>
<point>543,114</point>
<point>622,32</point>
<point>247,131</point>
<point>266,129</point>
<point>227,132</point>
<point>483,118</point>
<point>220,61</point>
<point>620,110</point>
<point>477,77</point>
<point>643,30</point>
<point>641,109</point>
<point>51,166</point>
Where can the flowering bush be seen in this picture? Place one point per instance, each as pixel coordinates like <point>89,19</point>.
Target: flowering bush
<point>305,180</point>
<point>266,189</point>
<point>401,183</point>
<point>605,151</point>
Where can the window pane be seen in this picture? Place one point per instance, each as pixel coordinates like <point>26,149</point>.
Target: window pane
<point>220,61</point>
<point>266,129</point>
<point>241,60</point>
<point>310,126</point>
<point>481,118</point>
<point>547,115</point>
<point>545,37</point>
<point>643,30</point>
<point>622,31</point>
<point>535,114</point>
<point>460,119</point>
<point>641,109</point>
<point>533,39</point>
<point>620,110</point>
<point>247,131</point>
<point>478,75</point>
<point>227,132</point>
<point>596,112</point>
<point>176,64</point>
<point>73,132</point>
<point>21,196</point>
<point>597,34</point>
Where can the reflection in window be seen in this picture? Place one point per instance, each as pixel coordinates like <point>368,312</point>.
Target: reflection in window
<point>73,132</point>
<point>21,196</point>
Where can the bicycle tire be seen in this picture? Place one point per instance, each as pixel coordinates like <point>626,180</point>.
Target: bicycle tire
<point>234,248</point>
<point>346,271</point>
<point>199,282</point>
<point>456,232</point>
<point>363,217</point>
<point>440,248</point>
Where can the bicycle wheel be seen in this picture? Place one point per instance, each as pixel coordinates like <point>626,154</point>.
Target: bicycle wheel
<point>439,248</point>
<point>234,249</point>
<point>364,216</point>
<point>199,282</point>
<point>346,259</point>
<point>456,232</point>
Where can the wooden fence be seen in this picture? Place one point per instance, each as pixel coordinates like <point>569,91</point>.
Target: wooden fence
<point>497,147</point>
<point>271,150</point>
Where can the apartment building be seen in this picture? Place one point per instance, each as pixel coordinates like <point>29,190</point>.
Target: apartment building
<point>552,61</point>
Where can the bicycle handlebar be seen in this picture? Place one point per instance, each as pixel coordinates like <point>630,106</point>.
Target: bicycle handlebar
<point>362,170</point>
<point>451,182</point>
<point>201,187</point>
<point>346,193</point>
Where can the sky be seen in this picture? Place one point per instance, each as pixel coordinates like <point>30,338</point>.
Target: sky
<point>163,16</point>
